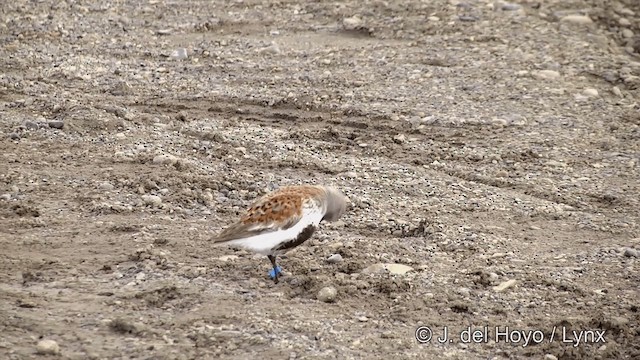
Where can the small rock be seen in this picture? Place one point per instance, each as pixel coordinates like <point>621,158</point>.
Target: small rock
<point>179,54</point>
<point>510,7</point>
<point>271,49</point>
<point>577,19</point>
<point>394,269</point>
<point>165,159</point>
<point>106,186</point>
<point>334,259</point>
<point>590,92</point>
<point>164,32</point>
<point>363,318</point>
<point>351,22</point>
<point>502,174</point>
<point>56,124</point>
<point>504,286</point>
<point>152,200</point>
<point>433,18</point>
<point>14,136</point>
<point>327,294</point>
<point>467,18</point>
<point>616,91</point>
<point>399,139</point>
<point>226,258</point>
<point>546,74</point>
<point>31,125</point>
<point>47,347</point>
<point>624,22</point>
<point>466,292</point>
<point>350,174</point>
<point>550,357</point>
<point>627,33</point>
<point>629,252</point>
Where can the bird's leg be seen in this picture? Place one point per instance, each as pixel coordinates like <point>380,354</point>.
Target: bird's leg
<point>276,269</point>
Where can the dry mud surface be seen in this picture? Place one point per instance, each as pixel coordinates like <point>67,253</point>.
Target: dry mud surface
<point>491,147</point>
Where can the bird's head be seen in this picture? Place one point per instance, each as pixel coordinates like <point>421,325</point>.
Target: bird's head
<point>336,204</point>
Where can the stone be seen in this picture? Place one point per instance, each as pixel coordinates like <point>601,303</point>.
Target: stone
<point>165,159</point>
<point>351,23</point>
<point>629,252</point>
<point>226,258</point>
<point>47,347</point>
<point>394,269</point>
<point>550,357</point>
<point>590,92</point>
<point>334,259</point>
<point>577,19</point>
<point>179,54</point>
<point>106,186</point>
<point>504,286</point>
<point>546,74</point>
<point>31,125</point>
<point>627,33</point>
<point>152,200</point>
<point>56,124</point>
<point>327,294</point>
<point>510,7</point>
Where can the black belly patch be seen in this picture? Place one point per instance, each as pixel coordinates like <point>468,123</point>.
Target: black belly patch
<point>302,237</point>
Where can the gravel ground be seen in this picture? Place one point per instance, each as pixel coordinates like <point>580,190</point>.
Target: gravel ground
<point>490,152</point>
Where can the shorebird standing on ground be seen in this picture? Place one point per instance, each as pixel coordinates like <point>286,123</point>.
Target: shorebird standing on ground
<point>282,220</point>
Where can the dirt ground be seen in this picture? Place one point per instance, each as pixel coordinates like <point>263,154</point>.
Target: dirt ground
<point>494,148</point>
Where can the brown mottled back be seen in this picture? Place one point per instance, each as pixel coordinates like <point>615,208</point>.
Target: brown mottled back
<point>281,209</point>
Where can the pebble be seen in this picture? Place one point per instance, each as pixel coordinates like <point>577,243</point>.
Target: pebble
<point>56,124</point>
<point>590,92</point>
<point>47,347</point>
<point>351,22</point>
<point>577,19</point>
<point>624,22</point>
<point>550,357</point>
<point>394,269</point>
<point>271,49</point>
<point>165,159</point>
<point>327,294</point>
<point>629,252</point>
<point>226,258</point>
<point>510,7</point>
<point>179,54</point>
<point>334,259</point>
<point>504,286</point>
<point>153,200</point>
<point>546,74</point>
<point>399,139</point>
<point>106,186</point>
<point>31,125</point>
<point>627,33</point>
<point>14,136</point>
<point>616,91</point>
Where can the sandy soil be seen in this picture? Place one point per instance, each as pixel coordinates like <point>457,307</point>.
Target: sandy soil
<point>491,147</point>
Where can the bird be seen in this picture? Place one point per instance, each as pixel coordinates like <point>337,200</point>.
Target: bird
<point>282,220</point>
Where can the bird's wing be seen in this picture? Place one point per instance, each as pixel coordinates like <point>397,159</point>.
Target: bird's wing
<point>277,213</point>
